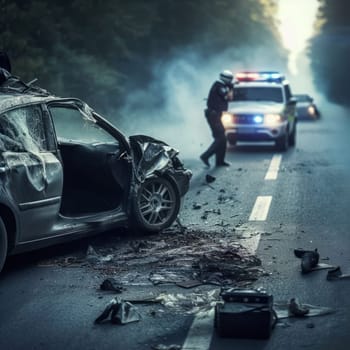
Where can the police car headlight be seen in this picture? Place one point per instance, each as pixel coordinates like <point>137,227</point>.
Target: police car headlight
<point>311,110</point>
<point>272,119</point>
<point>258,119</point>
<point>226,118</point>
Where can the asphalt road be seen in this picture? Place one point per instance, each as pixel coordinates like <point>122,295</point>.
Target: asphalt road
<point>304,203</point>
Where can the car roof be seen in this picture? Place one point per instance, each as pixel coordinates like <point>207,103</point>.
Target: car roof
<point>12,100</point>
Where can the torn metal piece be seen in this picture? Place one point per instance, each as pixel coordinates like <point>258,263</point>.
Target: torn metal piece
<point>196,206</point>
<point>299,252</point>
<point>153,155</point>
<point>106,311</point>
<point>336,274</point>
<point>93,258</point>
<point>309,261</point>
<point>120,312</point>
<point>295,308</point>
<point>209,178</point>
<point>91,255</point>
<point>282,310</point>
<point>124,313</point>
<point>112,285</point>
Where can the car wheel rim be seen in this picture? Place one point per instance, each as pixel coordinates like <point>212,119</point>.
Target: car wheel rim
<point>157,203</point>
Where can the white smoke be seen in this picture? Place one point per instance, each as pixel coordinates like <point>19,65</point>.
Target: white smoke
<point>183,84</point>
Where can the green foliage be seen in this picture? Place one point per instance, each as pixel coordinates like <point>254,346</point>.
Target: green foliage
<point>99,50</point>
<point>330,50</point>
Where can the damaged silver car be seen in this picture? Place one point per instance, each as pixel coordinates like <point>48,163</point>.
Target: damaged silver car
<point>65,171</point>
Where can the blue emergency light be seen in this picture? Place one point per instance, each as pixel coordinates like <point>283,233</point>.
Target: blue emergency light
<point>261,76</point>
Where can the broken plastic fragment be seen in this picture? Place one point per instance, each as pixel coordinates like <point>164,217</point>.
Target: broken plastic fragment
<point>209,178</point>
<point>93,258</point>
<point>296,308</point>
<point>91,255</point>
<point>336,274</point>
<point>111,284</point>
<point>309,259</point>
<point>282,310</point>
<point>122,312</point>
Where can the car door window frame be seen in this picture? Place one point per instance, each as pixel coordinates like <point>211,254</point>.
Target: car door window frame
<point>90,121</point>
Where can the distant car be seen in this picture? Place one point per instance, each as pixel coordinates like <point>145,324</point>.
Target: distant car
<point>306,108</point>
<point>65,172</point>
<point>263,109</point>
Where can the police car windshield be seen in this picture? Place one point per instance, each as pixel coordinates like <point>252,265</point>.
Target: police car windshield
<point>273,94</point>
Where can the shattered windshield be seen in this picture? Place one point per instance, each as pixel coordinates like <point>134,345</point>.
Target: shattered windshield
<point>273,94</point>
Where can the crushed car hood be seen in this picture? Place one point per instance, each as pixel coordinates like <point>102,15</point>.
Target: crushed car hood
<point>151,156</point>
<point>246,107</point>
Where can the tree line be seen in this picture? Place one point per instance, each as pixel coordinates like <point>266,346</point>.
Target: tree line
<point>330,51</point>
<point>101,50</point>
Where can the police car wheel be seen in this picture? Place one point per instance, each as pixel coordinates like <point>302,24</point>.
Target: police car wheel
<point>282,143</point>
<point>156,205</point>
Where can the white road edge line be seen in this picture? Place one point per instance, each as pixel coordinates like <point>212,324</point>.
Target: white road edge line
<point>274,167</point>
<point>201,331</point>
<point>261,208</point>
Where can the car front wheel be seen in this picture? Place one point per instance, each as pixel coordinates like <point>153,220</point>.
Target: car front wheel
<point>156,204</point>
<point>282,143</point>
<point>3,244</point>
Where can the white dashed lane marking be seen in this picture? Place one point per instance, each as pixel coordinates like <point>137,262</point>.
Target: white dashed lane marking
<point>200,333</point>
<point>261,208</point>
<point>274,167</point>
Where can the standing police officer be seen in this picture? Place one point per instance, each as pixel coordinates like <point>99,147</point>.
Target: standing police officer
<point>220,93</point>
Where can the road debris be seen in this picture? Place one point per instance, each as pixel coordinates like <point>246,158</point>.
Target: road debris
<point>185,258</point>
<point>112,285</point>
<point>295,308</point>
<point>93,258</point>
<point>209,178</point>
<point>336,274</point>
<point>120,312</point>
<point>167,347</point>
<point>310,260</point>
<point>245,313</point>
<point>282,309</point>
<point>196,206</point>
<point>190,303</point>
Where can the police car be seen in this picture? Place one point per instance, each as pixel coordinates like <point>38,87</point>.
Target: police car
<point>263,109</point>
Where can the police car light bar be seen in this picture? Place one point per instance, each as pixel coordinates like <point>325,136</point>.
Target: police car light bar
<point>268,76</point>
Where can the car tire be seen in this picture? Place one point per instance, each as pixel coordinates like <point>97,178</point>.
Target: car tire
<point>156,204</point>
<point>3,244</point>
<point>282,143</point>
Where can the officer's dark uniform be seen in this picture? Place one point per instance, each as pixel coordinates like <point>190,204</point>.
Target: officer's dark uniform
<point>216,104</point>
